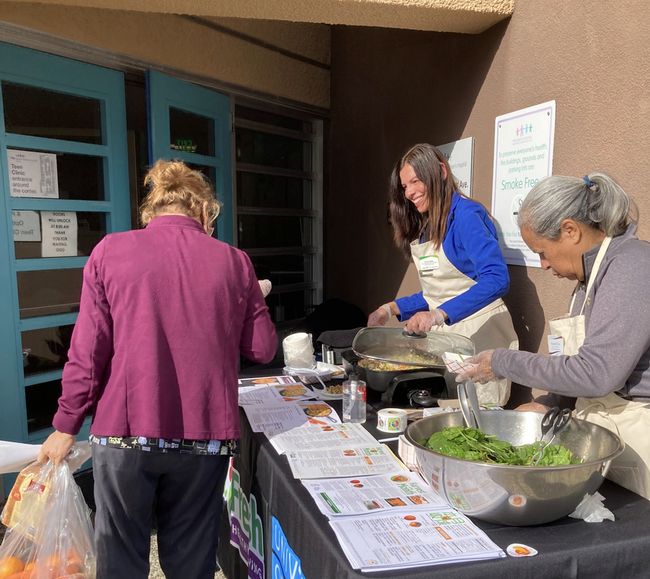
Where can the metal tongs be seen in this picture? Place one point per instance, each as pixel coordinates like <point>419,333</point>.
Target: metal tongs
<point>554,421</point>
<point>467,391</point>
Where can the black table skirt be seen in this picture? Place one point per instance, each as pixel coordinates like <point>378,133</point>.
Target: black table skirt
<point>568,548</point>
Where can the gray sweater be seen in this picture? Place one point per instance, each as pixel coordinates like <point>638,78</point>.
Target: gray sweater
<point>616,353</point>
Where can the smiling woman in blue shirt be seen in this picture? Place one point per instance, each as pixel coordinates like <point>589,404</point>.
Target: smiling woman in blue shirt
<point>454,246</point>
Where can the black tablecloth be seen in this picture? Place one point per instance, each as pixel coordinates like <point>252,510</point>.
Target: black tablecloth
<point>568,548</point>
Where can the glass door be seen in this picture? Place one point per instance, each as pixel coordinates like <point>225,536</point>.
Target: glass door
<point>279,207</point>
<point>64,185</point>
<point>192,124</point>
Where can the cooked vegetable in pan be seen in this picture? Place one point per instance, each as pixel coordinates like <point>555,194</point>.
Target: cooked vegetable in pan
<point>385,366</point>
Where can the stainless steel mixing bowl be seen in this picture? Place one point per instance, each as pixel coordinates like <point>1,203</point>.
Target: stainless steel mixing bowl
<point>516,495</point>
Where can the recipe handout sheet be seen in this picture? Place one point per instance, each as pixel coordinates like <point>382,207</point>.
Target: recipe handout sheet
<point>320,412</point>
<point>346,461</point>
<point>412,539</point>
<point>260,394</point>
<point>314,437</point>
<point>287,387</point>
<point>275,416</point>
<point>351,496</point>
<point>269,381</point>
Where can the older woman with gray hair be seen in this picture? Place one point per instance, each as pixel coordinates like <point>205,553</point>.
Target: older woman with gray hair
<point>585,230</point>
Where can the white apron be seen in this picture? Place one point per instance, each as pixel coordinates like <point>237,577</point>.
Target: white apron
<point>629,419</point>
<point>490,327</point>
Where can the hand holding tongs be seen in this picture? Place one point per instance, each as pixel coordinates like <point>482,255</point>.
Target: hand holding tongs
<point>554,421</point>
<point>467,390</point>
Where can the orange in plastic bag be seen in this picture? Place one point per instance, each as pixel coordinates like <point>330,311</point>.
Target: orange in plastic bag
<point>10,566</point>
<point>49,535</point>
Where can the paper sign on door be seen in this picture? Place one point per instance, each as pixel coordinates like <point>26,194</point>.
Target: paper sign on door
<point>27,225</point>
<point>33,174</point>
<point>59,233</point>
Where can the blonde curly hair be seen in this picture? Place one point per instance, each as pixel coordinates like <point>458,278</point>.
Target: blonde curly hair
<point>177,189</point>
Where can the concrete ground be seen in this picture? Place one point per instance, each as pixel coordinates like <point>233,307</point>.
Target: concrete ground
<point>156,571</point>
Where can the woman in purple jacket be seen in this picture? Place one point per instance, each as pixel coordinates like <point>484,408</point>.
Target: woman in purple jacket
<point>165,312</point>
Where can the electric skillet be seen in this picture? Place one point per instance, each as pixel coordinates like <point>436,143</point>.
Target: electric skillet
<point>417,357</point>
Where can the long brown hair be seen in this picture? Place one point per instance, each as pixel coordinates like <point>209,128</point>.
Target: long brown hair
<point>408,223</point>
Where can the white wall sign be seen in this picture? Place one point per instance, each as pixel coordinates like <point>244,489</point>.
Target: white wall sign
<point>59,233</point>
<point>523,156</point>
<point>460,155</point>
<point>27,225</point>
<point>33,174</point>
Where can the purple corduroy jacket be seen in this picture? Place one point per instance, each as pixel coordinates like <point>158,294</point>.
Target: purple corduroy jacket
<point>165,312</point>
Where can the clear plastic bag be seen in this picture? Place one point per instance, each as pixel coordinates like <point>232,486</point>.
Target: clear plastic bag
<point>49,532</point>
<point>592,510</point>
<point>15,456</point>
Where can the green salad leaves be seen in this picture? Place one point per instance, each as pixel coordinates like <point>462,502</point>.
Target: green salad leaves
<point>474,444</point>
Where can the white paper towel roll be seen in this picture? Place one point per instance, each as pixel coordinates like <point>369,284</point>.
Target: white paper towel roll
<point>298,350</point>
<point>392,420</point>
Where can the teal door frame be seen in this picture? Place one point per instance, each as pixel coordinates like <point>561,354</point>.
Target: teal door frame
<point>165,93</point>
<point>53,73</point>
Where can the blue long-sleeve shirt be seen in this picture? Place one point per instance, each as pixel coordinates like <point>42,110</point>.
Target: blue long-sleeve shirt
<point>471,245</point>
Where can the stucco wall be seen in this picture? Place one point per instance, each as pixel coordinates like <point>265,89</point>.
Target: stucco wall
<point>176,42</point>
<point>392,89</point>
<point>470,16</point>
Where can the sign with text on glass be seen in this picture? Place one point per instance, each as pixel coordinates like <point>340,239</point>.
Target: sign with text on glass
<point>27,225</point>
<point>460,155</point>
<point>59,233</point>
<point>32,174</point>
<point>183,145</point>
<point>523,156</point>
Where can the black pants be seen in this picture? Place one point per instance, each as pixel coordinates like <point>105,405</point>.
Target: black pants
<point>186,494</point>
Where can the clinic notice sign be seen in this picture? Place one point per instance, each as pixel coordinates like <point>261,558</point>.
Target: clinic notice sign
<point>32,174</point>
<point>460,155</point>
<point>523,156</point>
<point>246,530</point>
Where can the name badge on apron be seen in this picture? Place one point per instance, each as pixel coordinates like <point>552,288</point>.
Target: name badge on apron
<point>568,335</point>
<point>555,345</point>
<point>427,264</point>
